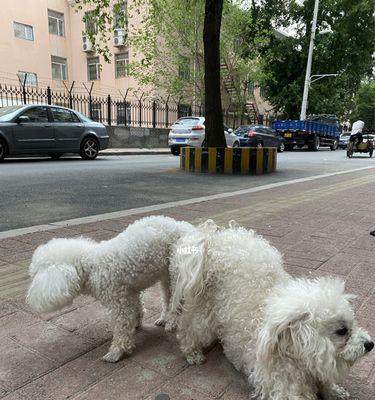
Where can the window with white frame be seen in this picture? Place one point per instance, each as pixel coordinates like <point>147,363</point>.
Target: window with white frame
<point>121,64</point>
<point>59,68</point>
<point>23,31</point>
<point>93,69</point>
<point>90,22</point>
<point>56,23</point>
<point>119,15</point>
<point>31,78</point>
<point>184,68</point>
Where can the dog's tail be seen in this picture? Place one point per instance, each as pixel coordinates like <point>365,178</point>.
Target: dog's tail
<point>53,288</point>
<point>189,260</point>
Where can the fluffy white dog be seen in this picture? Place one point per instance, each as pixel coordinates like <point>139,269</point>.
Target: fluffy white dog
<point>293,338</point>
<point>113,271</point>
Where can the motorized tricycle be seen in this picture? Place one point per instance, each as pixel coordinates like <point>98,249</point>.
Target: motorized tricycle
<point>366,146</point>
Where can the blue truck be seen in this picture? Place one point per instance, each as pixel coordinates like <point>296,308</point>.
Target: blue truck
<point>316,132</point>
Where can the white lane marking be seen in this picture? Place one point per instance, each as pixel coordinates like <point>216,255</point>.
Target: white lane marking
<point>163,206</point>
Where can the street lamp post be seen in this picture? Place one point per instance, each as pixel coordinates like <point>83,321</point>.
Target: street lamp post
<point>309,62</point>
<point>317,77</point>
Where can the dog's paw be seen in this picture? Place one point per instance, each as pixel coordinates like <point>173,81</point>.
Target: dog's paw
<point>170,326</point>
<point>336,392</point>
<point>114,355</point>
<point>160,322</point>
<point>196,358</point>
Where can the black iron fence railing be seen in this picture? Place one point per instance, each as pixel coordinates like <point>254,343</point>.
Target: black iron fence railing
<point>111,110</point>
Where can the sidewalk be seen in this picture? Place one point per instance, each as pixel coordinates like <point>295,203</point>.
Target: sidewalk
<point>322,228</point>
<point>128,151</point>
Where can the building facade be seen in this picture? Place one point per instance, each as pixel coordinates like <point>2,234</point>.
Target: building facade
<point>42,43</point>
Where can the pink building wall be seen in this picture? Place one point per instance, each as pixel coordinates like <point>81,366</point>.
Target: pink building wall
<point>35,56</point>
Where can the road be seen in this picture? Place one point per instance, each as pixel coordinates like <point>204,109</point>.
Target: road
<point>38,191</point>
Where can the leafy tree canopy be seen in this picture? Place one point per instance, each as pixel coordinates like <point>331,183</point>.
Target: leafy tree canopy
<point>344,45</point>
<point>168,43</point>
<point>364,105</point>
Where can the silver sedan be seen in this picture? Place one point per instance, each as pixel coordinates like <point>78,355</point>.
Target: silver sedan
<point>51,130</point>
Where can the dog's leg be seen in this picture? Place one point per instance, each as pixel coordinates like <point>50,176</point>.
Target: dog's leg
<point>195,332</point>
<point>165,298</point>
<point>140,311</point>
<point>125,317</point>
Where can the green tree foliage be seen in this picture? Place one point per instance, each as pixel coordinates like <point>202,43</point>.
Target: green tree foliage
<point>364,105</point>
<point>169,43</point>
<point>344,44</point>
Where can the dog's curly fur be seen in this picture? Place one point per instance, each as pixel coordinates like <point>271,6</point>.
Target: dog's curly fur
<point>113,271</point>
<point>293,338</point>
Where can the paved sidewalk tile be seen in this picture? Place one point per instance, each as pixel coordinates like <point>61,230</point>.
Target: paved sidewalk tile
<point>52,342</point>
<point>131,382</point>
<point>19,365</point>
<point>70,379</point>
<point>58,355</point>
<point>213,377</point>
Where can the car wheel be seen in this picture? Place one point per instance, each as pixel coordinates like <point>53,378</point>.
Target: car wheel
<point>175,151</point>
<point>335,145</point>
<point>55,156</point>
<point>259,145</point>
<point>281,147</point>
<point>89,148</point>
<point>289,147</point>
<point>3,149</point>
<point>236,144</point>
<point>315,145</point>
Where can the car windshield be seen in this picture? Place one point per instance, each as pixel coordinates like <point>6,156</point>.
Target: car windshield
<point>83,117</point>
<point>187,121</point>
<point>8,113</point>
<point>242,129</point>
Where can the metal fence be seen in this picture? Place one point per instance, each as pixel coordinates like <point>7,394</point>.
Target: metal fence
<point>112,110</point>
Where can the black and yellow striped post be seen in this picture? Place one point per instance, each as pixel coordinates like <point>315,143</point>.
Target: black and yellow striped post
<point>238,160</point>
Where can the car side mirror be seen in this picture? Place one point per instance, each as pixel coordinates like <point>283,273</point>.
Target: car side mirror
<point>23,118</point>
<point>230,130</point>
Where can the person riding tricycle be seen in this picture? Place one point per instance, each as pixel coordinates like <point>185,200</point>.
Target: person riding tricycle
<point>360,142</point>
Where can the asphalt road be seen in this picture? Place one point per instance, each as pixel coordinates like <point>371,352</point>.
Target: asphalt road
<point>38,191</point>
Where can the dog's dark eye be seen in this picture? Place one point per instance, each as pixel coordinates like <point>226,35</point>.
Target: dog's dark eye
<point>342,331</point>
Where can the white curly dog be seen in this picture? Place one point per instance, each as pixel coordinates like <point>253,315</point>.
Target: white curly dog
<point>113,271</point>
<point>293,338</point>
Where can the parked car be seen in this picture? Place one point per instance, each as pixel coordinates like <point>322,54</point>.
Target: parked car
<point>51,130</point>
<point>259,136</point>
<point>343,140</point>
<point>190,131</point>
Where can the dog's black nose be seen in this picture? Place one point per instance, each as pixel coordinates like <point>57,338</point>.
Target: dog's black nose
<point>369,346</point>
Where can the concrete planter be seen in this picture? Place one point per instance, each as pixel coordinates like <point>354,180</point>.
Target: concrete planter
<point>239,160</point>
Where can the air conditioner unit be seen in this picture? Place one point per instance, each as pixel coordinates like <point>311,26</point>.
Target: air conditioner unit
<point>120,37</point>
<point>86,44</point>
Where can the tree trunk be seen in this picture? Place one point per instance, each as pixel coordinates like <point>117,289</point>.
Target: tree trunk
<point>213,109</point>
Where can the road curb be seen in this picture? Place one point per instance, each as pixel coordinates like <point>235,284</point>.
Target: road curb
<point>134,152</point>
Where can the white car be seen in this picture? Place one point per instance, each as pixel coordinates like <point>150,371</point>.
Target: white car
<point>190,131</point>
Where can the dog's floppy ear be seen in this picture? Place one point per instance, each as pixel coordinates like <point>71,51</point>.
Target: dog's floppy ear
<point>53,288</point>
<point>278,334</point>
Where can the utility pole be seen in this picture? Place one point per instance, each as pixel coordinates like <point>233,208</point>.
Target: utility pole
<point>309,62</point>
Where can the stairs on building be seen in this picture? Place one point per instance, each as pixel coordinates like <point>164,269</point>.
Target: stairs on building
<point>250,108</point>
